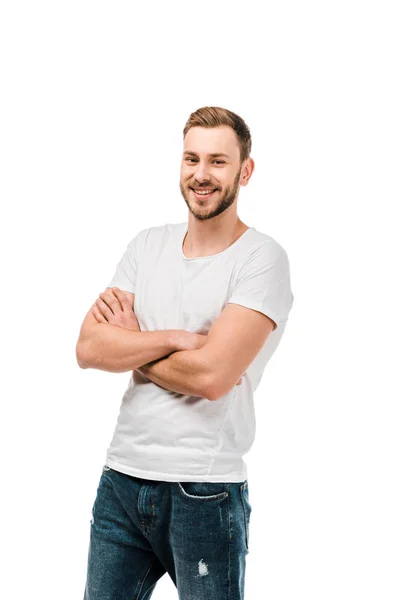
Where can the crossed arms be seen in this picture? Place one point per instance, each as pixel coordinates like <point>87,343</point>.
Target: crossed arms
<point>188,363</point>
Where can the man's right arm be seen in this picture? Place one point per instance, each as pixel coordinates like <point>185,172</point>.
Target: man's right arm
<point>111,348</point>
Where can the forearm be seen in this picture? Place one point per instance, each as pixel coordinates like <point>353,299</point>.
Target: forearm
<point>186,372</point>
<point>116,349</point>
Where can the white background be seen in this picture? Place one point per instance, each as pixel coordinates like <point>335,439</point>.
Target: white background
<point>94,99</point>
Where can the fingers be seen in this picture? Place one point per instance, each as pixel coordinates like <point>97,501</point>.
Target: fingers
<point>97,314</point>
<point>123,300</point>
<point>109,302</point>
<point>103,304</point>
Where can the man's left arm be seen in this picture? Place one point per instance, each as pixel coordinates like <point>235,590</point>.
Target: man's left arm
<point>184,371</point>
<point>234,340</point>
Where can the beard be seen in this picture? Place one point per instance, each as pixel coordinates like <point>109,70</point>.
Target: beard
<point>226,200</point>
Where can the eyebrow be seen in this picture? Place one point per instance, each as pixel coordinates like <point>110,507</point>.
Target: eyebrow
<point>213,154</point>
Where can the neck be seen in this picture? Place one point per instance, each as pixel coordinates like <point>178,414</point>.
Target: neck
<point>205,238</point>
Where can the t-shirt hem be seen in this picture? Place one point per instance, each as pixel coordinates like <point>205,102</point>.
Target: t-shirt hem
<point>158,476</point>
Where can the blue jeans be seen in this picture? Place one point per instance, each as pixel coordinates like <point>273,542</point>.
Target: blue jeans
<point>142,528</point>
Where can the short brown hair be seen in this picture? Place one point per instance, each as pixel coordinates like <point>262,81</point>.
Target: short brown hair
<point>213,116</point>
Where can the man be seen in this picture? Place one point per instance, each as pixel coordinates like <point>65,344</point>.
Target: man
<point>195,310</point>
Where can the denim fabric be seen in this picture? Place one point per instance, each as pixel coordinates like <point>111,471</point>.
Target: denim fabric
<point>140,529</point>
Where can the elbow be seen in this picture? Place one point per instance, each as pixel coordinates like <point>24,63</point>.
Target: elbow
<point>212,395</point>
<point>81,353</point>
<point>212,389</point>
<point>206,389</point>
<point>218,388</point>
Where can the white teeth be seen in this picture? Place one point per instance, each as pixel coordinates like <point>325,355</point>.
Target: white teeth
<point>202,192</point>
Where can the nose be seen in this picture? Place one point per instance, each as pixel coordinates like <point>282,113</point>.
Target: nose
<point>201,174</point>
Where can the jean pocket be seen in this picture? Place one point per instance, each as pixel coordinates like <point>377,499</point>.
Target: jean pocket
<point>202,491</point>
<point>244,494</point>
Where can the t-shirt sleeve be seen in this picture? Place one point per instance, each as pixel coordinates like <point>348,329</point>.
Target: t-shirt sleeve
<point>263,283</point>
<point>126,270</point>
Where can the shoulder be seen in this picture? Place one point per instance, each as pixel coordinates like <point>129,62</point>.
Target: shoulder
<point>142,236</point>
<point>161,234</point>
<point>263,247</point>
<point>157,231</point>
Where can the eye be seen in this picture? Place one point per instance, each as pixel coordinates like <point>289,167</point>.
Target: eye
<point>220,161</point>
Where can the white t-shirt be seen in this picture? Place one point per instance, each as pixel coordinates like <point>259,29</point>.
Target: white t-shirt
<point>168,436</point>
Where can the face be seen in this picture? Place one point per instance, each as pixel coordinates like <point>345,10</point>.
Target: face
<point>210,166</point>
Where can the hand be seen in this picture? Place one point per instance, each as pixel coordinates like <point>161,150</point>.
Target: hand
<point>180,339</point>
<point>114,307</point>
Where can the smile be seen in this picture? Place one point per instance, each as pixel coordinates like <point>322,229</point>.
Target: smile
<point>203,193</point>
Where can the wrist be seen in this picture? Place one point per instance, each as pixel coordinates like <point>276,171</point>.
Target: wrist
<point>173,340</point>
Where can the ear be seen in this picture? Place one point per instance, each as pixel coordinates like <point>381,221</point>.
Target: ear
<point>247,170</point>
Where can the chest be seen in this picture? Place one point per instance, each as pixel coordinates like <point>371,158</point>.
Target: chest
<point>178,294</point>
